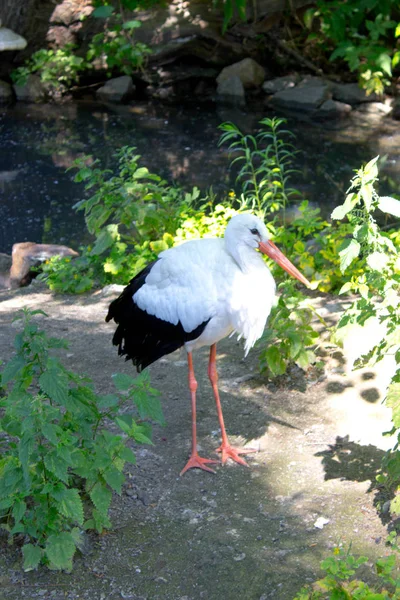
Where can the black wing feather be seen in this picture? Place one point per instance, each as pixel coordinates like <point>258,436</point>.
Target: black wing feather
<point>141,337</point>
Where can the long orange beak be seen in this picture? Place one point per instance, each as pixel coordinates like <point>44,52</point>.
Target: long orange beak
<point>273,252</point>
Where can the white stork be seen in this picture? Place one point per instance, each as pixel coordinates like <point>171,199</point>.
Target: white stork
<point>194,295</point>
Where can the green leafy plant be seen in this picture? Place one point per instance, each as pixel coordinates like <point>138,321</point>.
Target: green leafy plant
<point>232,9</point>
<point>363,34</point>
<point>265,162</point>
<point>339,582</point>
<point>59,463</point>
<point>265,166</point>
<point>377,287</point>
<point>57,68</point>
<point>114,49</point>
<point>289,335</point>
<point>133,215</point>
<point>116,46</point>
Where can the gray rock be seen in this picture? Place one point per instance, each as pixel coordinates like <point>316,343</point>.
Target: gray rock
<point>5,266</point>
<point>32,91</point>
<point>231,91</point>
<point>280,83</point>
<point>9,40</point>
<point>250,73</point>
<point>118,89</point>
<point>5,262</point>
<point>333,108</point>
<point>6,93</point>
<point>313,81</point>
<point>378,109</point>
<point>305,97</point>
<point>396,109</point>
<point>351,93</point>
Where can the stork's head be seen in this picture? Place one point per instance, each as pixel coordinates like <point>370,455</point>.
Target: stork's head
<point>248,230</point>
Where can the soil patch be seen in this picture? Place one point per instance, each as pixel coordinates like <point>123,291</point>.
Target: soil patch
<point>250,533</point>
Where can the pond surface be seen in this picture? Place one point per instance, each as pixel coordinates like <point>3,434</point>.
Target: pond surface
<point>39,142</point>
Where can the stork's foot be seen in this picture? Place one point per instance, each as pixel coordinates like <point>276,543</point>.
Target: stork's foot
<point>227,451</point>
<point>197,462</point>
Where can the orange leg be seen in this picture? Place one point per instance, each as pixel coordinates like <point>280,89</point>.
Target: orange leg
<point>227,451</point>
<point>195,461</point>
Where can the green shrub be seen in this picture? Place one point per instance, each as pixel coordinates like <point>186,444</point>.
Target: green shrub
<point>339,582</point>
<point>59,69</point>
<point>363,34</point>
<point>59,464</point>
<point>115,46</point>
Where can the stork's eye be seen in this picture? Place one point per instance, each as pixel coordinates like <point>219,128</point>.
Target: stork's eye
<point>254,231</point>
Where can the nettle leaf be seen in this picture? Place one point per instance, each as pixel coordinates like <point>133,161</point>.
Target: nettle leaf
<point>347,287</point>
<point>341,211</point>
<point>275,361</point>
<point>101,496</point>
<point>57,465</point>
<point>108,401</point>
<point>105,239</point>
<point>296,344</point>
<point>54,385</point>
<point>51,432</point>
<point>395,505</point>
<point>371,168</point>
<point>122,381</point>
<point>125,423</point>
<point>349,250</point>
<point>377,261</point>
<point>131,24</point>
<point>393,401</point>
<point>18,510</point>
<point>304,359</point>
<point>367,194</point>
<point>32,556</point>
<point>10,479</point>
<point>148,406</point>
<point>69,504</point>
<point>389,205</point>
<point>384,61</point>
<point>12,368</point>
<point>59,549</point>
<point>128,455</point>
<point>99,521</point>
<point>114,478</point>
<point>103,12</point>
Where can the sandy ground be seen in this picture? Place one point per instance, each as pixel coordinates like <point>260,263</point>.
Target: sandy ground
<point>245,533</point>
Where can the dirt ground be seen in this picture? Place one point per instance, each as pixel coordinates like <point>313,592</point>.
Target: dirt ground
<point>244,533</point>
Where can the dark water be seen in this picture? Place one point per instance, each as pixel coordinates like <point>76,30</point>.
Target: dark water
<point>38,143</point>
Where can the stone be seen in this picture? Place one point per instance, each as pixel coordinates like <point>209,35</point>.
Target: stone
<point>333,108</point>
<point>6,93</point>
<point>32,91</point>
<point>70,11</point>
<point>118,89</point>
<point>280,83</point>
<point>5,266</point>
<point>250,73</point>
<point>10,40</point>
<point>351,93</point>
<point>396,109</point>
<point>26,255</point>
<point>305,97</point>
<point>231,91</point>
<point>378,109</point>
<point>5,262</point>
<point>312,81</point>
